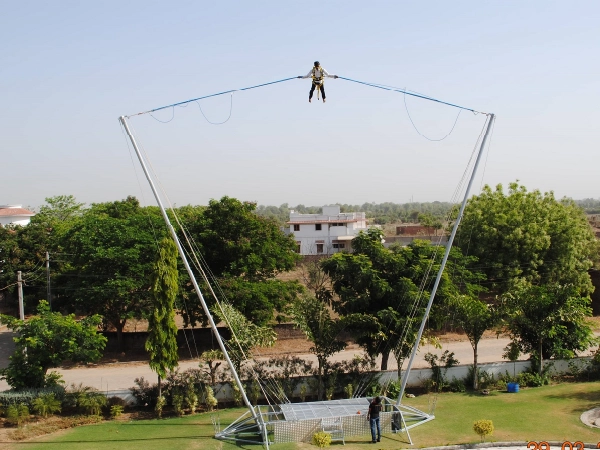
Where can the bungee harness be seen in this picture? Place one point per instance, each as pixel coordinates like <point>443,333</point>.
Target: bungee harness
<point>318,81</point>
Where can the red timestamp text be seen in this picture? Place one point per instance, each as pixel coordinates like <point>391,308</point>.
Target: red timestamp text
<point>544,445</point>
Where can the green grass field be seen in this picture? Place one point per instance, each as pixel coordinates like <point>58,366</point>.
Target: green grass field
<point>549,413</point>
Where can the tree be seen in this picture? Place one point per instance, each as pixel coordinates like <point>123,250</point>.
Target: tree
<point>237,242</point>
<point>475,317</point>
<point>59,210</point>
<point>547,320</point>
<point>244,334</point>
<point>313,317</point>
<point>377,290</point>
<point>47,340</point>
<point>528,235</point>
<point>113,247</point>
<point>162,331</point>
<point>24,247</point>
<point>244,253</point>
<point>258,300</point>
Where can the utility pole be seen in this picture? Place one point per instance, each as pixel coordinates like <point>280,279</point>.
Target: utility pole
<point>21,307</point>
<point>48,292</point>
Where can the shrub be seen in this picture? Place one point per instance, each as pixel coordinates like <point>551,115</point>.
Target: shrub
<point>116,411</point>
<point>17,414</point>
<point>321,439</point>
<point>27,396</point>
<point>160,404</point>
<point>303,390</point>
<point>349,390</point>
<point>210,399</point>
<point>329,392</point>
<point>289,370</point>
<point>391,389</point>
<point>439,366</point>
<point>457,385</point>
<point>236,394</point>
<point>483,428</point>
<point>92,402</point>
<point>486,380</point>
<point>191,398</point>
<point>145,394</point>
<point>114,400</point>
<point>177,403</point>
<point>533,379</point>
<point>46,404</point>
<point>254,392</point>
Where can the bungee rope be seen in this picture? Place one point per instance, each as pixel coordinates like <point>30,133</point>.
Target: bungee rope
<point>211,95</point>
<point>414,94</point>
<point>374,85</point>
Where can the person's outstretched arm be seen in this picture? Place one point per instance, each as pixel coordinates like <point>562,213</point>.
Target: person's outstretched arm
<point>308,75</point>
<point>326,74</point>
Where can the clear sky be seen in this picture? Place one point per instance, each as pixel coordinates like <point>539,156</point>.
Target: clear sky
<point>69,69</point>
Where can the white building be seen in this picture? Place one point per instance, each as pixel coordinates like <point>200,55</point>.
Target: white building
<point>327,233</point>
<point>14,215</point>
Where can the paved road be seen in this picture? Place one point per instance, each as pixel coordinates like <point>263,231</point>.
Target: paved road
<point>117,376</point>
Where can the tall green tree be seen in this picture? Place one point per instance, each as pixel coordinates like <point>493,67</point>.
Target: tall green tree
<point>23,248</point>
<point>60,209</point>
<point>529,235</point>
<point>237,242</point>
<point>46,340</point>
<point>547,321</point>
<point>162,330</point>
<point>112,249</point>
<point>244,253</point>
<point>475,317</point>
<point>245,335</point>
<point>378,290</point>
<point>313,317</point>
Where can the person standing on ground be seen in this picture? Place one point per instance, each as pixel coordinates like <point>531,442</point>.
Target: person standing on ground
<point>318,74</point>
<point>373,418</point>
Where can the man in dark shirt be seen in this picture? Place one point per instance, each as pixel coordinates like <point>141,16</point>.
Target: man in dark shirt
<point>373,417</point>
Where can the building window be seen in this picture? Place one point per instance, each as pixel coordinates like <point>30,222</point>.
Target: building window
<point>296,227</point>
<point>317,226</point>
<point>298,246</point>
<point>339,245</point>
<point>319,248</point>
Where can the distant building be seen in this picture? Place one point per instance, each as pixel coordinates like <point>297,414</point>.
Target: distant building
<point>594,220</point>
<point>326,233</point>
<point>414,229</point>
<point>14,215</point>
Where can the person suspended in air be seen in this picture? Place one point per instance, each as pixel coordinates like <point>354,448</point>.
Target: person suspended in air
<point>318,74</point>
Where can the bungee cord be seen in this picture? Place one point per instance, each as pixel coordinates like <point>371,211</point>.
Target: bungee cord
<point>210,95</point>
<point>426,137</point>
<point>218,123</point>
<point>414,94</point>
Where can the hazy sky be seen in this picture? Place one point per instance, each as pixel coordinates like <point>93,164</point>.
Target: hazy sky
<point>69,69</point>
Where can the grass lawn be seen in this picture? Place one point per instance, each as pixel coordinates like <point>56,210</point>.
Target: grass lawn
<point>549,413</point>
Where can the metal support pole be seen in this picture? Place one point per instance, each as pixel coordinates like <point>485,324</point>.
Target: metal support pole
<point>189,269</point>
<point>20,289</point>
<point>445,259</point>
<point>48,292</point>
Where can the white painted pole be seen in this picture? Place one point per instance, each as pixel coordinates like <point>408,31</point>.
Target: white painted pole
<point>444,259</point>
<point>188,268</point>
